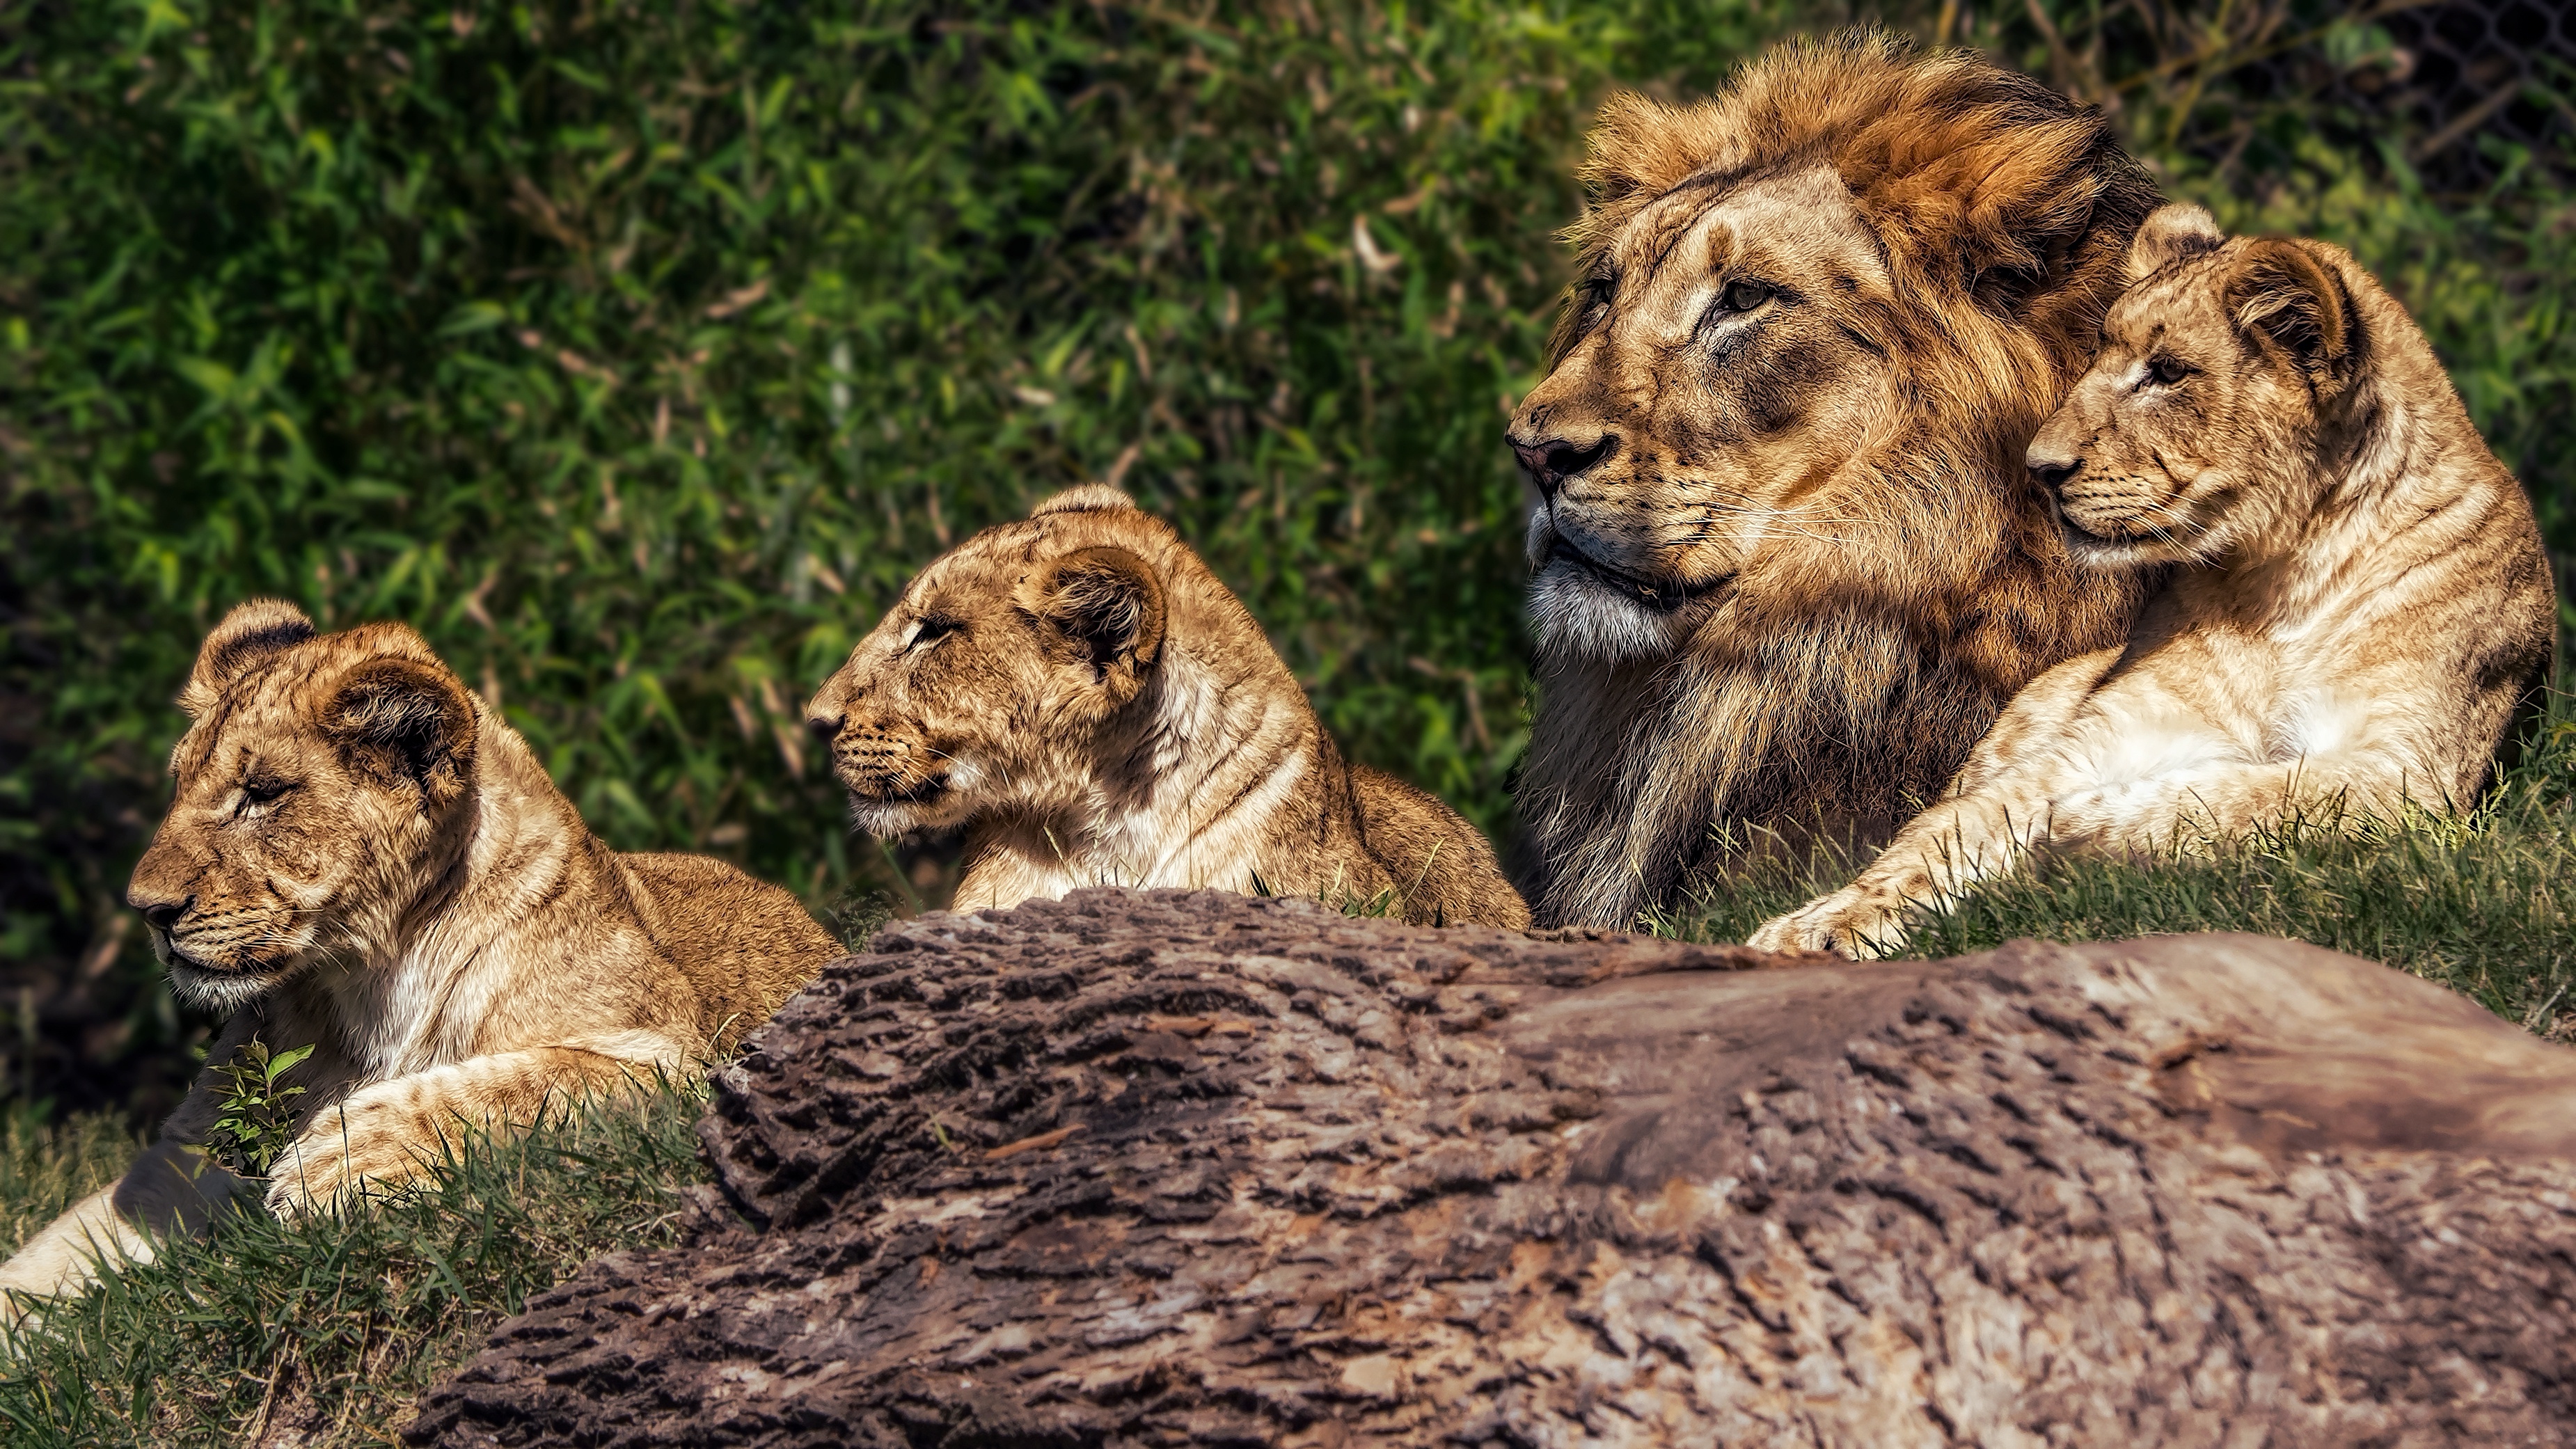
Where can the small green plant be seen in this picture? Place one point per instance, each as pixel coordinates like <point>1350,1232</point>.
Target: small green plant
<point>255,1121</point>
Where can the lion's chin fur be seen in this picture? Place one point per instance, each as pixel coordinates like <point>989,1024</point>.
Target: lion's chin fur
<point>1573,614</point>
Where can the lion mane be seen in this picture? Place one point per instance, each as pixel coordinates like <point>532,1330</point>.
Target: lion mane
<point>1788,562</point>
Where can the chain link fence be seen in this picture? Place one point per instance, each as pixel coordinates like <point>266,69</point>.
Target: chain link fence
<point>2458,71</point>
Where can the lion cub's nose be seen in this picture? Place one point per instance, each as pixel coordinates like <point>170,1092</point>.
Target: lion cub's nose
<point>161,915</point>
<point>826,727</point>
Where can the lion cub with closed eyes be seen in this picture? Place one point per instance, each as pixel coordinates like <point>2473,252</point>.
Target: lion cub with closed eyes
<point>364,858</point>
<point>2358,610</point>
<point>1098,709</point>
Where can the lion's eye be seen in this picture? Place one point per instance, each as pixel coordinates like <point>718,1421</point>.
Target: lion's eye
<point>2167,370</point>
<point>930,630</point>
<point>1744,296</point>
<point>1596,292</point>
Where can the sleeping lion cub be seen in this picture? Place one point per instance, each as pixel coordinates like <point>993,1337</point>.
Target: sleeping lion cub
<point>1084,692</point>
<point>362,857</point>
<point>2359,607</point>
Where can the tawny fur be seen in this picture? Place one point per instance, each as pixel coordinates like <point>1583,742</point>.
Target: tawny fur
<point>1099,708</point>
<point>2361,607</point>
<point>364,858</point>
<point>1788,565</point>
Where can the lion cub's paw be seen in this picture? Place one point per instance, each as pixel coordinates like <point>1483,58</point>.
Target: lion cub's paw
<point>1845,923</point>
<point>361,1144</point>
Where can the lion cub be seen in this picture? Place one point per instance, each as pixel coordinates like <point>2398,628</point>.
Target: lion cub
<point>1084,692</point>
<point>2359,605</point>
<point>364,858</point>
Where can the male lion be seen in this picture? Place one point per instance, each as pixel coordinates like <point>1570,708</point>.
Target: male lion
<point>363,858</point>
<point>2361,605</point>
<point>1101,709</point>
<point>1788,563</point>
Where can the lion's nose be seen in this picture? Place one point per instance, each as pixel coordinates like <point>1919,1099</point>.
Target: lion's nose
<point>2050,466</point>
<point>1551,461</point>
<point>826,727</point>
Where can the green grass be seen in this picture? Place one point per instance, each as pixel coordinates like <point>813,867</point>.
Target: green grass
<point>2478,904</point>
<point>324,1332</point>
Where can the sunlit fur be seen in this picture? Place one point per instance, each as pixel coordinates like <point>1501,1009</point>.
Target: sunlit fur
<point>1099,709</point>
<point>2361,608</point>
<point>1799,566</point>
<point>363,858</point>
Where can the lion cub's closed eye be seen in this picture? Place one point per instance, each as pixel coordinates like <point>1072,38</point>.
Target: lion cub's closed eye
<point>2359,604</point>
<point>1084,696</point>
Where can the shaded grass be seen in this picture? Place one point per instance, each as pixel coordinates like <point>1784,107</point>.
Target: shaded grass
<point>324,1332</point>
<point>2477,904</point>
<point>45,1169</point>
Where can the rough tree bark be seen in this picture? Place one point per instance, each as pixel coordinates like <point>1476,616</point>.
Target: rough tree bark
<point>1202,1169</point>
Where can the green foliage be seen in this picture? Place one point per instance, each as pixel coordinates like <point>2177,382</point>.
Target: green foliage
<point>254,1116</point>
<point>637,353</point>
<point>324,1331</point>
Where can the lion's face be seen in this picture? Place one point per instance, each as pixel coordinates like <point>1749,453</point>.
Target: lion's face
<point>1729,355</point>
<point>315,772</point>
<point>2194,429</point>
<point>980,688</point>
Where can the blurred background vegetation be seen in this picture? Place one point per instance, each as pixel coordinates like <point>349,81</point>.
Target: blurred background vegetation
<point>639,352</point>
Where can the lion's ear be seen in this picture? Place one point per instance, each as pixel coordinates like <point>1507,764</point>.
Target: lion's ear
<point>2030,197</point>
<point>1107,604</point>
<point>2172,233</point>
<point>406,719</point>
<point>250,633</point>
<point>2283,295</point>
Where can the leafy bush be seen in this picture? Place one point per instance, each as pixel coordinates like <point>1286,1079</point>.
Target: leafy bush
<point>638,352</point>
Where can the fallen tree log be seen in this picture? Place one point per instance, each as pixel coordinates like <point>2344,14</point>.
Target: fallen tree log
<point>1200,1169</point>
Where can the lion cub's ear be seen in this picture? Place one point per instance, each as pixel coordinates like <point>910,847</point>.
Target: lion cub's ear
<point>1106,602</point>
<point>2172,233</point>
<point>1085,498</point>
<point>250,633</point>
<point>406,719</point>
<point>2283,295</point>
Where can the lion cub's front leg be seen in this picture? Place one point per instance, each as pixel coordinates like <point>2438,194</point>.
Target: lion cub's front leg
<point>393,1132</point>
<point>1932,862</point>
<point>1997,807</point>
<point>1853,922</point>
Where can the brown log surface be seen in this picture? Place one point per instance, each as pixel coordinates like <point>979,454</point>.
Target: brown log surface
<point>1167,1168</point>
